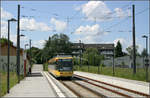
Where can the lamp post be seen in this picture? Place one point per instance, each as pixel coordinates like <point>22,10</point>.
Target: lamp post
<point>30,56</point>
<point>80,52</point>
<point>25,54</point>
<point>146,60</point>
<point>8,57</point>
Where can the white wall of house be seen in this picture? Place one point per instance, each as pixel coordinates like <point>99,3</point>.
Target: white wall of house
<point>13,66</point>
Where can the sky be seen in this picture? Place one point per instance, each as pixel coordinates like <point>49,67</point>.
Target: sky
<point>88,21</point>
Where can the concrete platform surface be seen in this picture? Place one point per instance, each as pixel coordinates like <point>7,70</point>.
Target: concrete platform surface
<point>126,83</point>
<point>35,85</point>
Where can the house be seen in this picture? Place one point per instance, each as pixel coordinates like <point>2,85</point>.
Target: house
<point>104,49</point>
<point>13,50</point>
<point>13,58</point>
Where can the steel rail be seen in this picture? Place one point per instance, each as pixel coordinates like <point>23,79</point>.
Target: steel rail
<point>113,91</point>
<point>80,95</point>
<point>129,90</point>
<point>75,92</point>
<point>95,92</point>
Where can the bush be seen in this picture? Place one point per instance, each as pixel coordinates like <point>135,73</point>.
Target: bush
<point>45,66</point>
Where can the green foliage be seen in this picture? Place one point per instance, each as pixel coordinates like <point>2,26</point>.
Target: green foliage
<point>102,65</point>
<point>144,53</point>
<point>45,66</point>
<point>54,45</point>
<point>118,50</point>
<point>130,50</point>
<point>13,81</point>
<point>5,41</point>
<point>91,56</point>
<point>36,55</point>
<point>122,64</point>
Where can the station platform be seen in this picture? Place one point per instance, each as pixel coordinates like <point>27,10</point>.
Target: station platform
<point>35,85</point>
<point>126,83</point>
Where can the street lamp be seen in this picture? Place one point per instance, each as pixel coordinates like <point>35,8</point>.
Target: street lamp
<point>26,45</point>
<point>8,57</point>
<point>146,60</point>
<point>25,54</point>
<point>22,35</point>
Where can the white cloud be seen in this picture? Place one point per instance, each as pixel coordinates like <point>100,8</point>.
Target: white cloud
<point>98,10</point>
<point>122,14</point>
<point>89,34</point>
<point>32,24</point>
<point>3,28</point>
<point>119,13</point>
<point>122,41</point>
<point>93,30</point>
<point>60,26</point>
<point>39,43</point>
<point>5,14</point>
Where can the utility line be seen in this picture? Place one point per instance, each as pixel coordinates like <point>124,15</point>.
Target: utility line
<point>122,21</point>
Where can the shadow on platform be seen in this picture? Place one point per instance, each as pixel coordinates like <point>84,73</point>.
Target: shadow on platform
<point>35,75</point>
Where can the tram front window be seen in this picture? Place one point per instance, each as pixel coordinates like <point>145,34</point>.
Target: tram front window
<point>65,64</point>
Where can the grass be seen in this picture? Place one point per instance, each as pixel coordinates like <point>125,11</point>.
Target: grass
<point>13,81</point>
<point>119,72</point>
<point>45,66</point>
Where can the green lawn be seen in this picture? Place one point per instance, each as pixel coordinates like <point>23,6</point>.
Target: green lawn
<point>119,72</point>
<point>13,81</point>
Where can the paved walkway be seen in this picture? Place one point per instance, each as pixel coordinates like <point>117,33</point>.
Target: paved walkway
<point>35,85</point>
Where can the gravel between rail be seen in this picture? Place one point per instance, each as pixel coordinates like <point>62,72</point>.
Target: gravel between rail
<point>80,90</point>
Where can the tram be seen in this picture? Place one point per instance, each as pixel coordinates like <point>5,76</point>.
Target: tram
<point>61,66</point>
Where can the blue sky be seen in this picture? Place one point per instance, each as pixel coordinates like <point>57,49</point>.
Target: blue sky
<point>90,21</point>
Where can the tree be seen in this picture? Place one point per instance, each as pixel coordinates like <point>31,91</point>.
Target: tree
<point>118,50</point>
<point>130,51</point>
<point>36,55</point>
<point>5,41</point>
<point>91,55</point>
<point>144,53</point>
<point>58,43</point>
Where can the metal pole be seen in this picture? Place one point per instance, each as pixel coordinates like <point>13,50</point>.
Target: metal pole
<point>88,62</point>
<point>25,61</point>
<point>113,61</point>
<point>18,45</point>
<point>134,45</point>
<point>80,52</point>
<point>0,65</point>
<point>30,57</point>
<point>8,58</point>
<point>147,58</point>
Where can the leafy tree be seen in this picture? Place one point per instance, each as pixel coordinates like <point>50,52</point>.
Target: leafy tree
<point>92,56</point>
<point>143,53</point>
<point>118,50</point>
<point>130,51</point>
<point>5,41</point>
<point>55,45</point>
<point>36,55</point>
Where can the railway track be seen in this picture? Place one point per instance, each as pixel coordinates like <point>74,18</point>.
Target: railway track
<point>80,90</point>
<point>124,92</point>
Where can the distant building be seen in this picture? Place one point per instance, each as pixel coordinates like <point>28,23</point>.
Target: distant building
<point>104,49</point>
